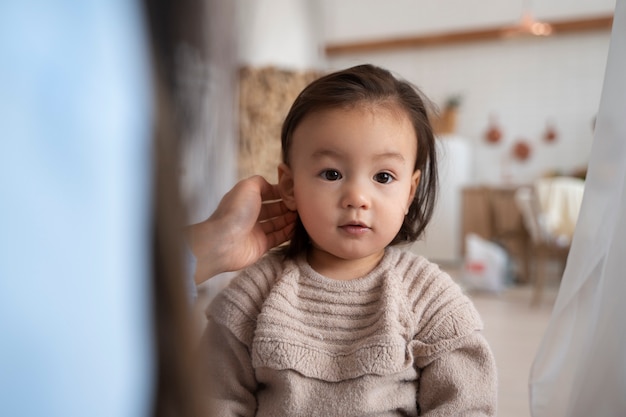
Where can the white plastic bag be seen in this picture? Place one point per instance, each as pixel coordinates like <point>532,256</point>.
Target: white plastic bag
<point>485,266</point>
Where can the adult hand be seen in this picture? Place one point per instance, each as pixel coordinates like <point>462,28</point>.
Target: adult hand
<point>249,220</point>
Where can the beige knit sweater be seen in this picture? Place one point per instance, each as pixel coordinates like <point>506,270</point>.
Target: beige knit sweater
<point>283,340</point>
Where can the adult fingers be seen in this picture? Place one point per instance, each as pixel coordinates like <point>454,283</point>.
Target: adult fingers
<point>273,209</point>
<point>266,190</point>
<point>279,229</point>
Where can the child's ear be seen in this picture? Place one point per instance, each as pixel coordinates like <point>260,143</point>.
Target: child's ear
<point>415,180</point>
<point>285,186</point>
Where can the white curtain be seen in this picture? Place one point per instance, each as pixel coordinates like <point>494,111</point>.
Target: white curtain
<point>580,368</point>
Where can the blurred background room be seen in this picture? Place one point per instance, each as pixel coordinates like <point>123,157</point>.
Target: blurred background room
<point>517,84</point>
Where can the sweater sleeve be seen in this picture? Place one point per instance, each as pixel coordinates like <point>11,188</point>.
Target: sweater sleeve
<point>231,382</point>
<point>460,382</point>
<point>457,369</point>
<point>227,341</point>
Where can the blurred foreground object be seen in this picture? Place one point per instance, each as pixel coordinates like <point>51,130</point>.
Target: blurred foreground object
<point>580,368</point>
<point>75,313</point>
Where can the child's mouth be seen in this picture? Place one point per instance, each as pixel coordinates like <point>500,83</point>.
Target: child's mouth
<point>354,228</point>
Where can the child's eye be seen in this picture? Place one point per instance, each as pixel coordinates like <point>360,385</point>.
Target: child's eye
<point>330,175</point>
<point>383,177</point>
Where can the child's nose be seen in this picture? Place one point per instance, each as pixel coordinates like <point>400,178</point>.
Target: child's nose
<point>355,195</point>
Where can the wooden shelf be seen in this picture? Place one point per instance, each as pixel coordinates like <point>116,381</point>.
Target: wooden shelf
<point>488,34</point>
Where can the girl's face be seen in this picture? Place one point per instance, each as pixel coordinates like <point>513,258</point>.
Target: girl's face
<point>351,180</point>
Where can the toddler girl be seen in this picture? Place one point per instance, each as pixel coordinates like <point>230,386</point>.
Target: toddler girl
<point>343,322</point>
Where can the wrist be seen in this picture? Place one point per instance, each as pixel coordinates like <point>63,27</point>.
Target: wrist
<point>206,249</point>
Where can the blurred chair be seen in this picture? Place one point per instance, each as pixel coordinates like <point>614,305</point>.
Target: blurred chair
<point>550,210</point>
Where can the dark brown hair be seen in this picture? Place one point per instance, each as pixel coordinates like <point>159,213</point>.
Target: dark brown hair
<point>370,84</point>
<point>177,388</point>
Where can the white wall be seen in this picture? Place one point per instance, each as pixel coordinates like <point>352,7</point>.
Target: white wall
<point>282,33</point>
<point>353,20</point>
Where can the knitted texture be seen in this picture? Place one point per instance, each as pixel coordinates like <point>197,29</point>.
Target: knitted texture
<point>375,334</point>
